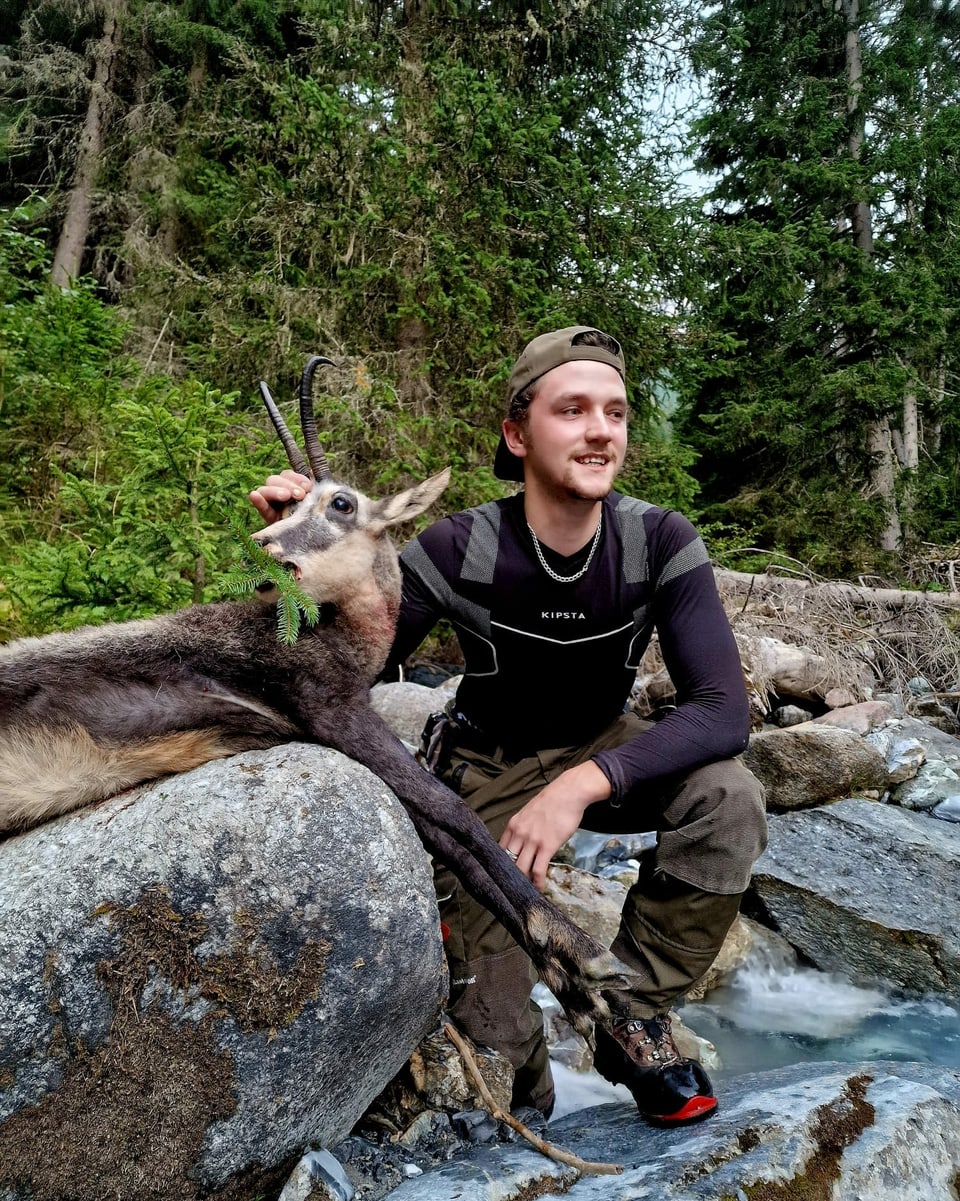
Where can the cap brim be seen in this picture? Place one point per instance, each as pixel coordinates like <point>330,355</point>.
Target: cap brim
<point>506,466</point>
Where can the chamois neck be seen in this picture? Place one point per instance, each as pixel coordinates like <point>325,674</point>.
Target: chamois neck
<point>368,619</point>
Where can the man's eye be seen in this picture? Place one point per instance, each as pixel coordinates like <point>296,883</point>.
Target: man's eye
<point>341,504</point>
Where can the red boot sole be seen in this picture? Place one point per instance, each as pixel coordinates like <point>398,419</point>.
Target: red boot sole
<point>695,1110</point>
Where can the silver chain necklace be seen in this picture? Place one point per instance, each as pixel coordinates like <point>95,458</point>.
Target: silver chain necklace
<point>554,575</point>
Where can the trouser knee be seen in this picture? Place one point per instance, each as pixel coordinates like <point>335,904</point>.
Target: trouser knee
<point>713,828</point>
<point>670,934</point>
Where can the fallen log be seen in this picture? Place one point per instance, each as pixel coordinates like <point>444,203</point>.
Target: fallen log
<point>767,584</point>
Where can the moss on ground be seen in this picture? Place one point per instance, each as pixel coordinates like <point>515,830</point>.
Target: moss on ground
<point>836,1126</point>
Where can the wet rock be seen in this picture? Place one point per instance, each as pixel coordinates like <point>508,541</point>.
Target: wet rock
<point>948,810</point>
<point>240,957</point>
<point>869,890</point>
<point>813,764</point>
<point>872,1131</point>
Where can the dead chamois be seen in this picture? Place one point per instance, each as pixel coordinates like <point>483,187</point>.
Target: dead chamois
<point>87,714</point>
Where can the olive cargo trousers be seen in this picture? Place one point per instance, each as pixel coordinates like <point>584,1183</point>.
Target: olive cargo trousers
<point>710,828</point>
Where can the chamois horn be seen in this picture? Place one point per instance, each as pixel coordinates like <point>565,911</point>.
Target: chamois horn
<point>297,461</point>
<point>318,460</point>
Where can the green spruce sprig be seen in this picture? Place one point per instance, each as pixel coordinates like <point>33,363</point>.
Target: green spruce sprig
<point>294,607</point>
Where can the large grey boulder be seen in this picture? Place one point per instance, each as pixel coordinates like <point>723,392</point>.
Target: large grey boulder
<point>405,707</point>
<point>873,1131</point>
<point>202,977</point>
<point>869,890</point>
<point>813,764</point>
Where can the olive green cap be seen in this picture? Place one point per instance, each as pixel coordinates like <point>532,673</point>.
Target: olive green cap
<point>541,355</point>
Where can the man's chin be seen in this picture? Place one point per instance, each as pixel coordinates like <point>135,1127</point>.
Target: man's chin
<point>590,488</point>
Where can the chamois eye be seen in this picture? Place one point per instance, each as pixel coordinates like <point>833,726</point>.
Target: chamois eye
<point>341,504</point>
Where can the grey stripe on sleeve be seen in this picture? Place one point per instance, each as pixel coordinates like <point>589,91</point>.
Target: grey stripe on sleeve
<point>481,558</point>
<point>630,513</point>
<point>694,554</point>
<point>457,608</point>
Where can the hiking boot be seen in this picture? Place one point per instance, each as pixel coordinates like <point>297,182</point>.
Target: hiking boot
<point>640,1053</point>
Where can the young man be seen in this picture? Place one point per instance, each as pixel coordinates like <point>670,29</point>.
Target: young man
<point>554,594</point>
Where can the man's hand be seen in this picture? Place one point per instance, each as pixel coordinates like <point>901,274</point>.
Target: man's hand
<point>271,498</point>
<point>543,825</point>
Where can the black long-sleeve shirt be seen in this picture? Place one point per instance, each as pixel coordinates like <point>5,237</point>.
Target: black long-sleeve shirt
<point>550,664</point>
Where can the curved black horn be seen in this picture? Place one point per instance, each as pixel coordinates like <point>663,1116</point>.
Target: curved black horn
<point>318,460</point>
<point>297,461</point>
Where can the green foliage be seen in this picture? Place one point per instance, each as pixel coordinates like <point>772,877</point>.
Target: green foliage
<point>820,327</point>
<point>116,487</point>
<point>294,607</point>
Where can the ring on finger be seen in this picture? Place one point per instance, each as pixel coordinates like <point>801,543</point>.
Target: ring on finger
<point>512,854</point>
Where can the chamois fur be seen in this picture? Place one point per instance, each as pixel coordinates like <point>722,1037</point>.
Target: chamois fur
<point>86,714</point>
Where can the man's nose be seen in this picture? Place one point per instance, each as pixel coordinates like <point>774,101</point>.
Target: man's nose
<point>598,427</point>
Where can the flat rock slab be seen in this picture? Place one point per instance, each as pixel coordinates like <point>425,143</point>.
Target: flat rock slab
<point>202,977</point>
<point>866,889</point>
<point>873,1131</point>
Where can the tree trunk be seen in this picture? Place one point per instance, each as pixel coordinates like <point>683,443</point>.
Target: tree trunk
<point>879,443</point>
<point>68,257</point>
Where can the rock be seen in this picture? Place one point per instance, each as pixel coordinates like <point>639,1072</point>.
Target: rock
<point>736,947</point>
<point>935,712</point>
<point>872,1131</point>
<point>936,743</point>
<point>839,698</point>
<point>317,1177</point>
<point>593,902</point>
<point>930,784</point>
<point>435,1079</point>
<point>406,707</point>
<point>859,719</point>
<point>604,853</point>
<point>813,764</point>
<point>904,756</point>
<point>794,671</point>
<point>790,715</point>
<point>869,890</point>
<point>692,1045</point>
<point>948,810</point>
<point>202,977</point>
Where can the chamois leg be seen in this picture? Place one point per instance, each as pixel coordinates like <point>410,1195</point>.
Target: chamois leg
<point>574,966</point>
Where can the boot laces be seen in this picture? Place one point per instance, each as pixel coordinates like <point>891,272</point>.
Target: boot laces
<point>648,1041</point>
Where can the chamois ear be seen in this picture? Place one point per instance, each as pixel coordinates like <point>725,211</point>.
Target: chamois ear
<point>410,503</point>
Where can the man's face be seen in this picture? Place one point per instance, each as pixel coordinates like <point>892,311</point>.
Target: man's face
<point>574,436</point>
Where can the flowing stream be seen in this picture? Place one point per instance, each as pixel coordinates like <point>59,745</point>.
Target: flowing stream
<point>774,1011</point>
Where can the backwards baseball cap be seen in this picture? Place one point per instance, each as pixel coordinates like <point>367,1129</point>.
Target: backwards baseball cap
<point>542,355</point>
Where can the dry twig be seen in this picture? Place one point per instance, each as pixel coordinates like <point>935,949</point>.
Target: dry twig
<point>583,1166</point>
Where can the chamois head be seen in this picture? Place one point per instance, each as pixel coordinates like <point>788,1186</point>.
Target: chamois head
<point>334,540</point>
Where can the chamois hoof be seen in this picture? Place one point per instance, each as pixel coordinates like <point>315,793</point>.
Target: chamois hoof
<point>578,985</point>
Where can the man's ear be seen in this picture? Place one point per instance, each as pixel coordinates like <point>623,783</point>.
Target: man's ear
<point>513,436</point>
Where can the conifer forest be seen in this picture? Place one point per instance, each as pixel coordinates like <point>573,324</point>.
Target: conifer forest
<point>759,198</point>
